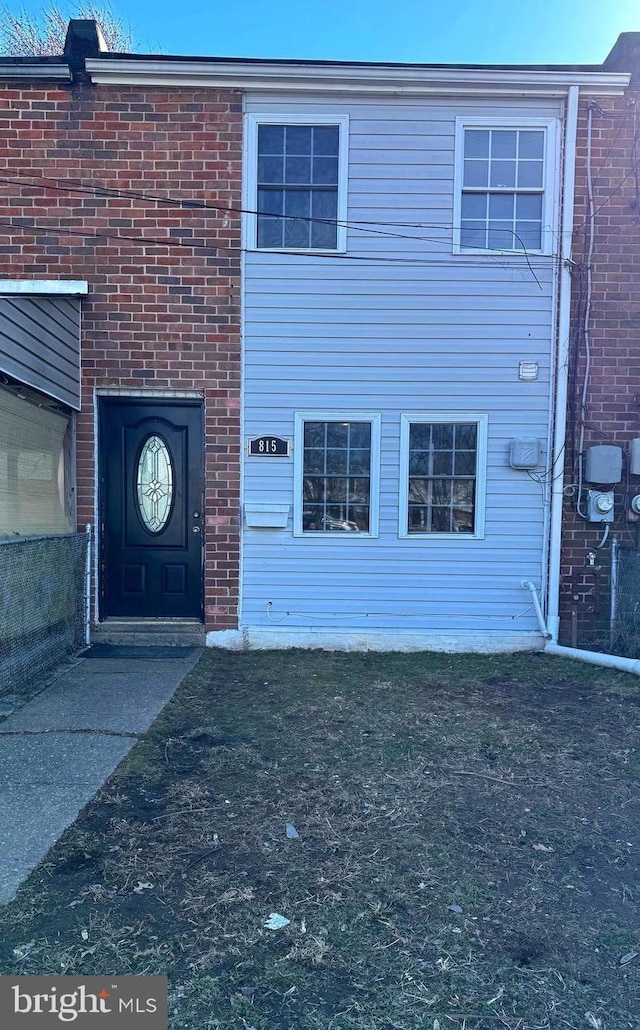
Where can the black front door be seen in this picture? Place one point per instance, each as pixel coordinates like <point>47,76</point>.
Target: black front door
<point>151,489</point>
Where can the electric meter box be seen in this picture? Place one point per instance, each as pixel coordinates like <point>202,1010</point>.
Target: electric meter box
<point>524,454</point>
<point>600,505</point>
<point>603,464</point>
<point>634,456</point>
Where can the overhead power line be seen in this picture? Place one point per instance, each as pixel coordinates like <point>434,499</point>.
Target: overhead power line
<point>362,226</point>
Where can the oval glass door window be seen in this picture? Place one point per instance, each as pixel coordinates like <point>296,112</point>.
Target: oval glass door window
<point>155,484</point>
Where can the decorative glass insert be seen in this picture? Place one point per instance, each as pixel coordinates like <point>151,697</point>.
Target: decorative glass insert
<point>336,477</point>
<point>155,484</point>
<point>502,189</point>
<point>298,186</point>
<point>442,477</point>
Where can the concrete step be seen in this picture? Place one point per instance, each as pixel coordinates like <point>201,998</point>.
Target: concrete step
<point>149,632</point>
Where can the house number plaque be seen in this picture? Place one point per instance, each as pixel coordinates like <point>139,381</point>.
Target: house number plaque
<point>269,447</point>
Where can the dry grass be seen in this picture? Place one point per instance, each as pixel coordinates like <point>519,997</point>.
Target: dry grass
<point>468,830</point>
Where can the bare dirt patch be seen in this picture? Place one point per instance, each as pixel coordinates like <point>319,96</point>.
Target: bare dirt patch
<point>468,832</point>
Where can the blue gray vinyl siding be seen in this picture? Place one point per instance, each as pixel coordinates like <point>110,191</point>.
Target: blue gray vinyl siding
<point>40,344</point>
<point>398,326</point>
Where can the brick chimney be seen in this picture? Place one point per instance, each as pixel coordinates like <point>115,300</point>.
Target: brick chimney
<point>625,56</point>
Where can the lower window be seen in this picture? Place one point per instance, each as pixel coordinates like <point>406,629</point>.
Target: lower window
<point>442,475</point>
<point>335,475</point>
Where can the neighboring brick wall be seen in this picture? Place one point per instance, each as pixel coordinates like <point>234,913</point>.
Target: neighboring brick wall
<point>157,316</point>
<point>613,399</point>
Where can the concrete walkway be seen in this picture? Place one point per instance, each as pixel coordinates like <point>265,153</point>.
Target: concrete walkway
<point>58,749</point>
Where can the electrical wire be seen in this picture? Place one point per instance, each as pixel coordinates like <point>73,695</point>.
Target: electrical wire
<point>386,615</point>
<point>356,226</point>
<point>605,536</point>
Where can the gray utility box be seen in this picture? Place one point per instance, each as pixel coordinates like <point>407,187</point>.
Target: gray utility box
<point>524,454</point>
<point>634,456</point>
<point>600,505</point>
<point>603,464</point>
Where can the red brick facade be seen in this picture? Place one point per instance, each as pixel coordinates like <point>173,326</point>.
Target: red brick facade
<point>612,413</point>
<point>159,316</point>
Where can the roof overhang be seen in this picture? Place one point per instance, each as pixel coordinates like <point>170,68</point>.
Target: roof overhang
<point>20,69</point>
<point>348,78</point>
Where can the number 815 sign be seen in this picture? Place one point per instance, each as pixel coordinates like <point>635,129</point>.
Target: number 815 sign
<point>268,447</point>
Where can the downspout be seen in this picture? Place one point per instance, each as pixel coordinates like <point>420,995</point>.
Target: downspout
<point>550,627</point>
<point>87,587</point>
<point>607,661</point>
<point>562,364</point>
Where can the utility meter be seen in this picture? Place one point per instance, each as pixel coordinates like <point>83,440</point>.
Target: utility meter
<point>600,505</point>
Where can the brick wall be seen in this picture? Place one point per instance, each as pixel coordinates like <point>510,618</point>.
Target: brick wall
<point>613,397</point>
<point>159,316</point>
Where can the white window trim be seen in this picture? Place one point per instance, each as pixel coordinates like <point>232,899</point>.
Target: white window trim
<point>456,417</point>
<point>374,484</point>
<point>551,182</point>
<point>251,177</point>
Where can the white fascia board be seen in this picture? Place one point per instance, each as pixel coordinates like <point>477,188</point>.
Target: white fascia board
<point>60,287</point>
<point>57,72</point>
<point>352,78</point>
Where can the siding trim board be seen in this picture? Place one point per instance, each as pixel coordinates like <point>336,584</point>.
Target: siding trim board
<point>336,76</point>
<point>68,288</point>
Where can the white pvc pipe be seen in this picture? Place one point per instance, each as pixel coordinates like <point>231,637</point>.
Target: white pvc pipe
<point>87,588</point>
<point>544,629</point>
<point>562,364</point>
<point>607,661</point>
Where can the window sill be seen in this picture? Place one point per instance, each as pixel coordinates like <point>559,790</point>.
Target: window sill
<point>476,252</point>
<point>441,536</point>
<point>296,250</point>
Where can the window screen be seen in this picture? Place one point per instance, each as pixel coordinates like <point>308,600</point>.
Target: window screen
<point>32,469</point>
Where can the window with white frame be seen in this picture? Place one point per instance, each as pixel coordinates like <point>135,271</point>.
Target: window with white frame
<point>504,190</point>
<point>442,475</point>
<point>298,183</point>
<point>336,474</point>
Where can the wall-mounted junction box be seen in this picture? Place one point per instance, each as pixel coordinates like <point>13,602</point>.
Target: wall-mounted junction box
<point>524,454</point>
<point>603,464</point>
<point>634,456</point>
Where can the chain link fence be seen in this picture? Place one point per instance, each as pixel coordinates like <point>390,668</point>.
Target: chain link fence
<point>42,606</point>
<point>625,621</point>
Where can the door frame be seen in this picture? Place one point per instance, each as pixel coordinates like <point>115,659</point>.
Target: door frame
<point>102,402</point>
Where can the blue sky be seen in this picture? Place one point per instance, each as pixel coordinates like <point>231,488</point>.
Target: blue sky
<point>484,31</point>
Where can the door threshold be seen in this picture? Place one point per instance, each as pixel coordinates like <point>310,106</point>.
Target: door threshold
<point>132,620</point>
<point>169,632</point>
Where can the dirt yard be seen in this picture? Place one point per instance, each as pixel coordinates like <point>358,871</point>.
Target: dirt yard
<point>466,853</point>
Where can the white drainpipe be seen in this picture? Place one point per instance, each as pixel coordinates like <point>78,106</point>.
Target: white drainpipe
<point>544,629</point>
<point>562,365</point>
<point>607,661</point>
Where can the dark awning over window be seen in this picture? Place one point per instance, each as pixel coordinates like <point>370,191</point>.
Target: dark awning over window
<point>40,344</point>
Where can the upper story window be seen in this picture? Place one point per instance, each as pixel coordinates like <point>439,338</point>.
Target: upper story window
<point>504,190</point>
<point>297,183</point>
